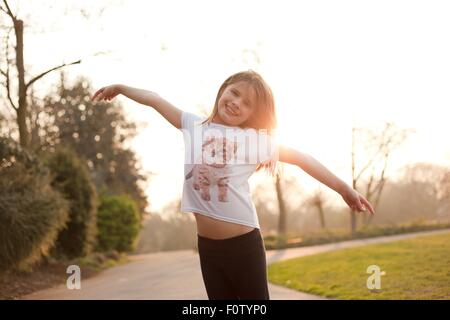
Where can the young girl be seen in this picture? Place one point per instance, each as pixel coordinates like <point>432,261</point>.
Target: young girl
<point>222,152</point>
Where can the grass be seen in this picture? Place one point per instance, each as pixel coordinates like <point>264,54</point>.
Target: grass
<point>415,269</point>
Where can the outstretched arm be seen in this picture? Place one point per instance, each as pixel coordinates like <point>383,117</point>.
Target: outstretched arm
<point>171,113</point>
<point>316,170</point>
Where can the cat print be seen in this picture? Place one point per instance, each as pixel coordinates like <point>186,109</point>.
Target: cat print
<point>213,169</point>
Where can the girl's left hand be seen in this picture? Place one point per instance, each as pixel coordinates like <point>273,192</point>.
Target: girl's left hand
<point>356,201</point>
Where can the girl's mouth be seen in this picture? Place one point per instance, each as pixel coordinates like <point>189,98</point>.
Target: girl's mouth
<point>230,111</point>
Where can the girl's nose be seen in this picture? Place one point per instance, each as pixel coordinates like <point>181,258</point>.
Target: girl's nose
<point>235,104</point>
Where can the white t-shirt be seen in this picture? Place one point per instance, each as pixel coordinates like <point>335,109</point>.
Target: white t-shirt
<point>219,160</point>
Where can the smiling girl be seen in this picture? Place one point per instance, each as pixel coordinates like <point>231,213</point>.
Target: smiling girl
<point>235,141</point>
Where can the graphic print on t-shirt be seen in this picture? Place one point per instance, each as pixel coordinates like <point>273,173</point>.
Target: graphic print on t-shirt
<point>213,169</point>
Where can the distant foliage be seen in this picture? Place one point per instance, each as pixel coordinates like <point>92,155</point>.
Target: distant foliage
<point>176,231</point>
<point>98,132</point>
<point>31,212</point>
<point>71,177</point>
<point>118,223</point>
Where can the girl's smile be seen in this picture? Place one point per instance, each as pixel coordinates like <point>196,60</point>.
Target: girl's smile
<point>230,111</point>
<point>235,105</point>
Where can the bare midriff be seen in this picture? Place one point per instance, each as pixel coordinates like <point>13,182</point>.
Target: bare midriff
<point>217,229</point>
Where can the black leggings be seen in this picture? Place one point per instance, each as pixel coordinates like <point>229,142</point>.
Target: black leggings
<point>234,268</point>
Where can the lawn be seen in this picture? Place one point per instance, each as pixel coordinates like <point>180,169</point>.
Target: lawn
<point>416,268</point>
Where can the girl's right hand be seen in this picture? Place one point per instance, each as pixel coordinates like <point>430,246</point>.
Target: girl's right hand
<point>106,93</point>
<point>355,201</point>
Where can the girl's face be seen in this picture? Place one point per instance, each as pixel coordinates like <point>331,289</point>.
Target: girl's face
<point>235,105</point>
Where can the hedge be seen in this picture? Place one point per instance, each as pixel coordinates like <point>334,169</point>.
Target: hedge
<point>31,212</point>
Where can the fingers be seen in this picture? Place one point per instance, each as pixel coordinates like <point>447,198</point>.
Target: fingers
<point>356,202</point>
<point>359,203</point>
<point>98,94</point>
<point>368,205</point>
<point>103,96</point>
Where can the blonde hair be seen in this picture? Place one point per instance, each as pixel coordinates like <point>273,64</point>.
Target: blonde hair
<point>263,116</point>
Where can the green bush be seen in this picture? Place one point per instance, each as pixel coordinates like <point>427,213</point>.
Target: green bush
<point>31,211</point>
<point>71,177</point>
<point>118,223</point>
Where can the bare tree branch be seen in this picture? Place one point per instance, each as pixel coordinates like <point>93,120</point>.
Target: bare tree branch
<point>48,71</point>
<point>369,184</point>
<point>2,9</point>
<point>380,147</point>
<point>375,156</point>
<point>8,90</point>
<point>8,10</point>
<point>6,73</point>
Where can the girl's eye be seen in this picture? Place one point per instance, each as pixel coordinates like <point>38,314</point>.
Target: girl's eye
<point>234,92</point>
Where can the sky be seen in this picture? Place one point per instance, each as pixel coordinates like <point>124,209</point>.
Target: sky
<point>331,65</point>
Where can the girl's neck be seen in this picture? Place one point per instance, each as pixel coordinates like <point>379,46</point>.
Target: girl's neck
<point>217,120</point>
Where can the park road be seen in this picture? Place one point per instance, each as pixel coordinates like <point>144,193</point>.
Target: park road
<point>176,275</point>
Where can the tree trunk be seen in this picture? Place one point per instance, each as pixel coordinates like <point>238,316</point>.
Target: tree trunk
<point>321,216</point>
<point>353,222</point>
<point>22,107</point>
<point>281,208</point>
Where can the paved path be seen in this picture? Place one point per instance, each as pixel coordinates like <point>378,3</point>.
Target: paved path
<point>176,275</point>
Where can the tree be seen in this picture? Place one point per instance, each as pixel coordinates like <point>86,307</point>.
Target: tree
<point>317,200</point>
<point>21,105</point>
<point>98,132</point>
<point>378,147</point>
<point>445,192</point>
<point>432,180</point>
<point>282,214</point>
<point>414,195</point>
<point>267,204</point>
